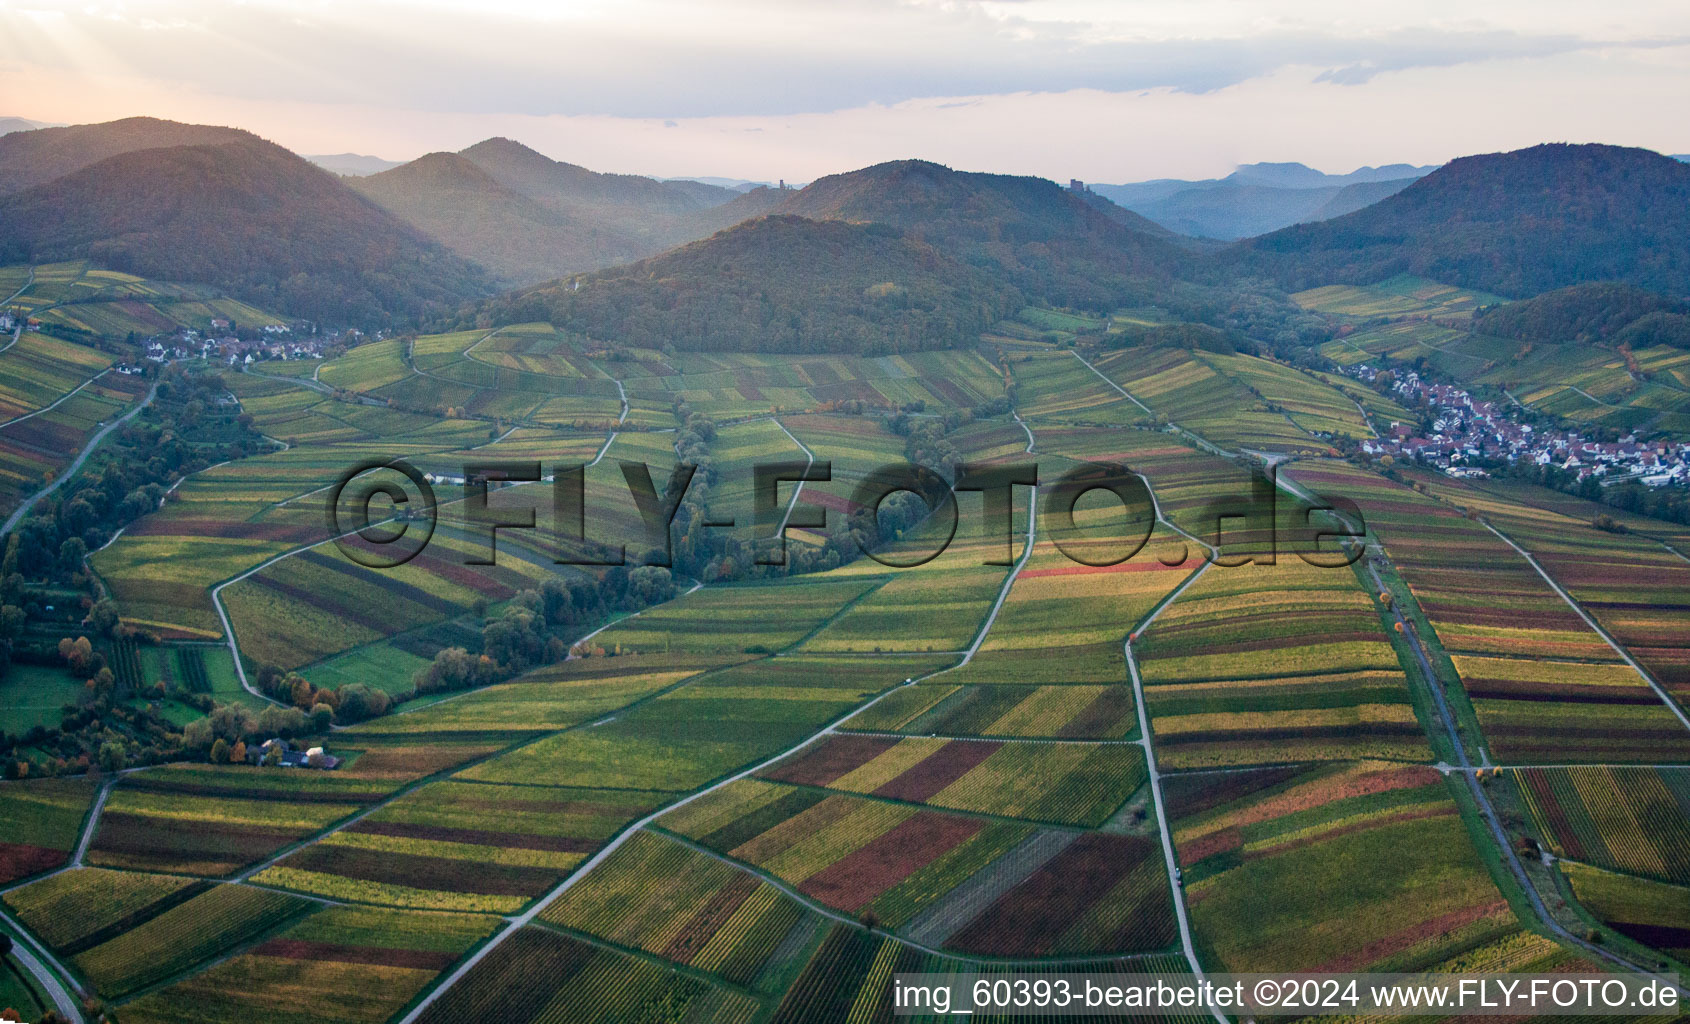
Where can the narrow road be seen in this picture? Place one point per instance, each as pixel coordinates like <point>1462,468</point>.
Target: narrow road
<point>1592,623</point>
<point>34,958</point>
<point>1169,857</point>
<point>18,331</point>
<point>70,471</point>
<point>1196,439</point>
<point>311,384</point>
<point>1482,800</point>
<point>1593,398</point>
<point>810,460</point>
<point>92,825</point>
<point>67,396</point>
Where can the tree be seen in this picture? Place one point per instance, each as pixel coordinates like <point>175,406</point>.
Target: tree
<point>77,653</point>
<point>103,617</point>
<point>113,757</point>
<point>358,702</point>
<point>12,621</point>
<point>220,751</point>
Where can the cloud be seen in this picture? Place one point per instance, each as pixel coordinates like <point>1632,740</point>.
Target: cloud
<point>665,60</point>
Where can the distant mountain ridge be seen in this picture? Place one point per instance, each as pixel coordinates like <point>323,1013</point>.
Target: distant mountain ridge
<point>529,218</point>
<point>453,200</point>
<point>9,125</point>
<point>1515,224</point>
<point>353,164</point>
<point>1257,198</point>
<point>224,208</point>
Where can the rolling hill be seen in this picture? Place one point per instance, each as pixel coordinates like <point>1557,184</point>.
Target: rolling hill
<point>1516,224</point>
<point>574,189</point>
<point>1602,312</point>
<point>528,218</point>
<point>779,284</point>
<point>237,213</point>
<point>1050,244</point>
<point>30,158</point>
<point>455,202</point>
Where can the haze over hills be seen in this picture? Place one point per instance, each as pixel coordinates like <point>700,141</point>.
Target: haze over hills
<point>1258,198</point>
<point>217,205</point>
<point>232,211</point>
<point>529,218</point>
<point>352,164</point>
<point>1514,223</point>
<point>451,199</point>
<point>9,125</point>
<point>780,284</point>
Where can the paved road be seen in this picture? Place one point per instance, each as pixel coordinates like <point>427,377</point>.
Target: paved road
<point>810,460</point>
<point>1155,777</point>
<point>18,332</point>
<point>1487,811</point>
<point>33,959</point>
<point>1466,769</point>
<point>70,471</point>
<point>67,396</point>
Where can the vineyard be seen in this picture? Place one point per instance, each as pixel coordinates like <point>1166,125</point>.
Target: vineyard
<point>1624,819</point>
<point>1249,842</point>
<point>39,825</point>
<point>762,798</point>
<point>1075,783</point>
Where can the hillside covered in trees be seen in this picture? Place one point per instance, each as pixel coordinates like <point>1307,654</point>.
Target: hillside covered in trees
<point>1516,224</point>
<point>779,284</point>
<point>1604,312</point>
<point>1049,244</point>
<point>245,216</point>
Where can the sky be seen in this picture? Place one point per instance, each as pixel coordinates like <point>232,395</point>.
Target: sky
<point>1102,90</point>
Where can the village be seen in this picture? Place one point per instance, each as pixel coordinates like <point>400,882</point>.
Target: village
<point>1467,434</point>
<point>277,342</point>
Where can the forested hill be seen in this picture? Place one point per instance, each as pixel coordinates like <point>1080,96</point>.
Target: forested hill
<point>779,284</point>
<point>1516,224</point>
<point>33,157</point>
<point>245,216</point>
<point>1603,312</point>
<point>1051,245</point>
